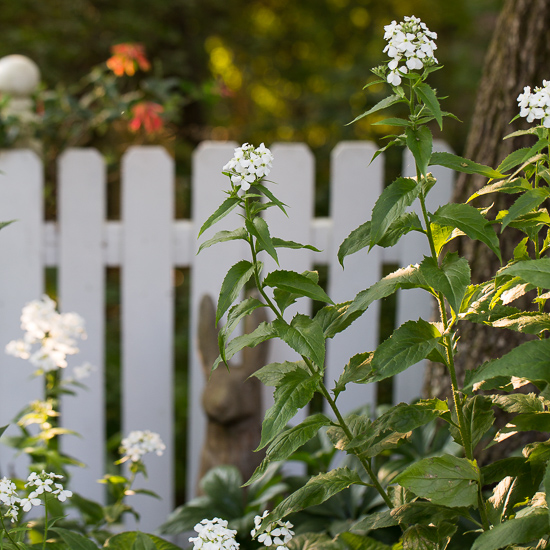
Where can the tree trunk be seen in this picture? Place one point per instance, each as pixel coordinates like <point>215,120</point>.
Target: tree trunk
<point>518,56</point>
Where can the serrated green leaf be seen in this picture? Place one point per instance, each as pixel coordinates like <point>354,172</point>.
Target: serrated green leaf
<point>518,402</point>
<point>294,391</point>
<point>420,537</point>
<point>357,370</point>
<point>289,441</point>
<point>469,220</point>
<point>392,122</point>
<point>357,240</point>
<point>409,344</point>
<point>259,228</point>
<point>427,95</point>
<point>305,336</point>
<point>451,278</point>
<point>405,277</point>
<point>446,480</point>
<point>296,283</point>
<point>386,102</point>
<point>263,332</point>
<point>407,222</point>
<point>268,193</point>
<point>271,374</point>
<point>460,164</point>
<point>525,203</point>
<point>391,205</point>
<point>517,157</point>
<point>227,206</point>
<point>224,236</point>
<point>237,276</point>
<point>442,235</point>
<point>528,322</point>
<point>516,185</point>
<point>235,315</point>
<point>318,489</point>
<point>478,419</point>
<point>281,243</point>
<point>360,238</point>
<point>391,428</point>
<point>514,531</point>
<point>424,512</point>
<point>535,272</point>
<point>420,143</point>
<point>378,520</point>
<point>529,360</point>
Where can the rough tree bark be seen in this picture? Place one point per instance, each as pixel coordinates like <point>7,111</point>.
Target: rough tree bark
<point>518,56</point>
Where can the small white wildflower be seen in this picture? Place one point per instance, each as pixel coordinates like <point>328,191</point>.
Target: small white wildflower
<point>249,165</point>
<point>61,494</point>
<point>83,371</point>
<point>55,332</point>
<point>410,47</point>
<point>214,535</point>
<point>9,498</point>
<point>30,501</point>
<point>277,534</point>
<point>535,105</point>
<point>138,443</point>
<point>19,348</point>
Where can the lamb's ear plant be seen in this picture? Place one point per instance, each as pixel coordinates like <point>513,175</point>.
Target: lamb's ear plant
<point>501,504</point>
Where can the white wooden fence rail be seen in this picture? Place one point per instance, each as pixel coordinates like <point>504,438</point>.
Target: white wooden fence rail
<point>147,244</point>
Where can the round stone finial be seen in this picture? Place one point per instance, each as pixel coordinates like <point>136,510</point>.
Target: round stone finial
<point>19,75</point>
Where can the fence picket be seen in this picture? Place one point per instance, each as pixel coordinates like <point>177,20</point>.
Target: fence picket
<point>356,185</point>
<point>147,316</point>
<point>81,284</point>
<point>21,278</point>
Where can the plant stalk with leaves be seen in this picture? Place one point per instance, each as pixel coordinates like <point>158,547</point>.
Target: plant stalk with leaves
<point>429,498</point>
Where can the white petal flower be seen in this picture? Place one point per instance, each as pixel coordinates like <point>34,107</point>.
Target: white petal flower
<point>410,39</point>
<point>214,535</point>
<point>139,443</point>
<point>535,104</point>
<point>277,534</point>
<point>249,165</point>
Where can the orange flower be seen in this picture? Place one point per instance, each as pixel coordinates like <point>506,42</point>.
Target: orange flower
<point>127,58</point>
<point>146,114</point>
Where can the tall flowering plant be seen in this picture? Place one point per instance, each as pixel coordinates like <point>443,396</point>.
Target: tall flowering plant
<point>442,500</point>
<point>49,338</point>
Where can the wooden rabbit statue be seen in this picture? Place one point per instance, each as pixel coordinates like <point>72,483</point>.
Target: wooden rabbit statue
<point>231,400</point>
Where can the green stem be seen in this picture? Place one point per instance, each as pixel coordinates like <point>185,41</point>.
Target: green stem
<point>45,522</point>
<point>8,534</point>
<point>482,510</point>
<point>364,462</point>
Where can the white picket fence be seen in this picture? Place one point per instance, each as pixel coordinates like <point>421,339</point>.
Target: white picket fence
<point>147,244</point>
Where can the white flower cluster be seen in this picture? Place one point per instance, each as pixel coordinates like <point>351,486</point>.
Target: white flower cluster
<point>56,333</point>
<point>249,165</point>
<point>535,105</point>
<point>42,483</point>
<point>214,535</point>
<point>277,534</point>
<point>138,443</point>
<point>410,47</point>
